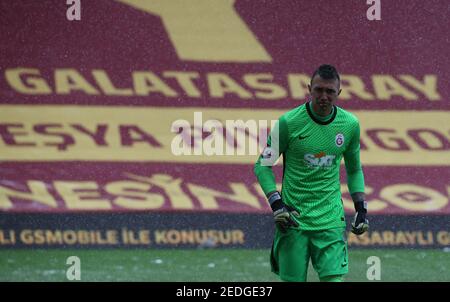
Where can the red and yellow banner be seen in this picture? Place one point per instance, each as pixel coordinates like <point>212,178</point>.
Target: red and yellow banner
<point>153,187</point>
<point>90,110</point>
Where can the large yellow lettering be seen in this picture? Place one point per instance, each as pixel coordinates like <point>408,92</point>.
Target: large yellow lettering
<point>107,86</point>
<point>388,237</point>
<point>171,186</point>
<point>38,193</point>
<point>263,81</point>
<point>33,84</point>
<point>221,83</point>
<point>352,84</point>
<point>443,238</point>
<point>387,139</point>
<point>185,80</point>
<point>428,87</point>
<point>413,197</point>
<point>208,197</point>
<point>376,238</point>
<point>146,82</point>
<point>81,195</point>
<point>401,239</point>
<point>298,84</point>
<point>374,204</point>
<point>386,86</point>
<point>134,195</point>
<point>67,80</point>
<point>205,30</point>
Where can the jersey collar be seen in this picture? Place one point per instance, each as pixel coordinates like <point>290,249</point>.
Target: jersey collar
<point>311,115</point>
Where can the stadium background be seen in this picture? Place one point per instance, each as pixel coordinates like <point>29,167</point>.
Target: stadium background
<point>87,107</point>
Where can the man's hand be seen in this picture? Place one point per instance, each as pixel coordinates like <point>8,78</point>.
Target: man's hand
<point>284,217</point>
<point>360,223</point>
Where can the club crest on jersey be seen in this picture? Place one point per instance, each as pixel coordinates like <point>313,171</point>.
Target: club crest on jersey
<point>339,139</point>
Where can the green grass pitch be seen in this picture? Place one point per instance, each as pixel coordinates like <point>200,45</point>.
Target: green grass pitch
<point>207,265</point>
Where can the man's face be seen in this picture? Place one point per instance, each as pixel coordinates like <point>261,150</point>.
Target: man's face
<point>324,94</point>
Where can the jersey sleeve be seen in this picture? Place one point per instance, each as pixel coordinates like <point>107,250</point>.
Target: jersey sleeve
<point>276,145</point>
<point>355,176</point>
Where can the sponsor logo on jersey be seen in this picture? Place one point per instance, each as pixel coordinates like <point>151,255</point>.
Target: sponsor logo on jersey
<point>339,139</point>
<point>320,160</point>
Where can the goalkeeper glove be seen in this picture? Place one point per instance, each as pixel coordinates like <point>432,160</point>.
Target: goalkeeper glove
<point>360,223</point>
<point>283,216</point>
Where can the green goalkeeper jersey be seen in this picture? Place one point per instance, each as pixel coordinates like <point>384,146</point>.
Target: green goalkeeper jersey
<point>312,150</point>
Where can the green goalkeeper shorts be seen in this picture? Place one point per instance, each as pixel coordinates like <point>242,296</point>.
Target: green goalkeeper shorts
<point>292,250</point>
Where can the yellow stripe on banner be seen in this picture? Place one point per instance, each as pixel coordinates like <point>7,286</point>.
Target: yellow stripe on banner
<point>100,133</point>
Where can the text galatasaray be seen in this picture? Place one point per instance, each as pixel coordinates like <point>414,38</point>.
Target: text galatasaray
<point>175,84</point>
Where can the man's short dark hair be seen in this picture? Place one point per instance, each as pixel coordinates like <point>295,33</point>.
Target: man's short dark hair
<point>326,72</point>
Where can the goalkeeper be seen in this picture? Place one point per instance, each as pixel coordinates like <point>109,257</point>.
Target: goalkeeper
<point>309,213</point>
